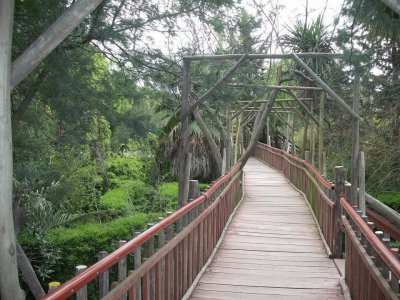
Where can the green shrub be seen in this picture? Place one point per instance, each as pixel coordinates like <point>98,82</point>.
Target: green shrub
<point>168,194</point>
<point>78,245</point>
<point>129,168</point>
<point>80,191</point>
<point>391,199</point>
<point>129,196</point>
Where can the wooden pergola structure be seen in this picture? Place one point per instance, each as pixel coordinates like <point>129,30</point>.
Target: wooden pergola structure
<point>257,110</point>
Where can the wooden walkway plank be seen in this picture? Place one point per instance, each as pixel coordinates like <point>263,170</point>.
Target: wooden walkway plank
<point>272,248</point>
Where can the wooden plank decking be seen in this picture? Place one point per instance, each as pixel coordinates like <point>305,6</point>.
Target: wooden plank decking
<point>272,248</point>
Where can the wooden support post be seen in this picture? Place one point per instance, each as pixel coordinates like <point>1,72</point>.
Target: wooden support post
<point>137,263</point>
<point>268,132</point>
<point>223,170</point>
<point>321,132</point>
<point>169,264</point>
<point>307,156</point>
<point>150,252</point>
<point>237,138</point>
<point>9,281</point>
<point>355,141</point>
<point>122,268</point>
<point>228,139</point>
<point>324,164</point>
<point>288,132</point>
<point>339,192</point>
<point>82,293</point>
<point>28,273</point>
<point>194,190</point>
<point>188,166</point>
<point>183,144</point>
<point>293,149</point>
<point>104,281</point>
<point>361,177</point>
<point>312,137</point>
<point>305,138</point>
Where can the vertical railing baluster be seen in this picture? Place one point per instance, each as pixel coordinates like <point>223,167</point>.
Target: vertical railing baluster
<point>82,293</point>
<point>169,282</point>
<point>137,263</point>
<point>104,281</point>
<point>122,269</point>
<point>149,253</point>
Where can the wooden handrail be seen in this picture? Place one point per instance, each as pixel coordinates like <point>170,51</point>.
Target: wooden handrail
<point>387,256</point>
<point>306,164</point>
<point>76,283</point>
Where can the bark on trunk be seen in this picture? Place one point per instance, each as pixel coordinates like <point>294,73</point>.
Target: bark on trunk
<point>9,282</point>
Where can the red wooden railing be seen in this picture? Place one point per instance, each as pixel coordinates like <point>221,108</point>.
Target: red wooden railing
<point>368,276</point>
<point>307,179</point>
<point>372,268</point>
<point>169,272</point>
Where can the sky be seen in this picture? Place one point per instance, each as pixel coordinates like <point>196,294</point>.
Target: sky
<point>290,11</point>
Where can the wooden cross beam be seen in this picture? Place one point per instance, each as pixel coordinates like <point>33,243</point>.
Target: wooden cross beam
<point>261,56</point>
<point>50,39</point>
<point>281,87</point>
<point>326,88</point>
<point>211,90</point>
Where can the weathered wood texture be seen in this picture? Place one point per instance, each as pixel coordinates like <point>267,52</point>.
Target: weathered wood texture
<point>272,247</point>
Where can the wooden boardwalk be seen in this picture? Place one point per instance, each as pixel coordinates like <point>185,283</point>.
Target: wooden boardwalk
<point>272,248</point>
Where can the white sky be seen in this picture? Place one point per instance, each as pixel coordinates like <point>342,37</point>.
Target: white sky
<point>290,11</point>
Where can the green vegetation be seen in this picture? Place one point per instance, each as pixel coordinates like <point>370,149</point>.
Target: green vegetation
<point>390,199</point>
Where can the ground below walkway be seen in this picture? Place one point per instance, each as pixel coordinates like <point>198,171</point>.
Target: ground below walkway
<point>272,248</point>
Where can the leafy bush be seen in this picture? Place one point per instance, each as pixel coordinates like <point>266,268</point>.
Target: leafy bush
<point>69,247</point>
<point>128,168</point>
<point>391,199</point>
<point>129,196</point>
<point>168,193</point>
<point>80,191</point>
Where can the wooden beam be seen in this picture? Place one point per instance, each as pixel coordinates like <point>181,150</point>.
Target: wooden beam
<point>355,141</point>
<point>280,87</point>
<point>183,142</point>
<point>277,100</point>
<point>50,39</point>
<point>246,106</point>
<point>321,132</point>
<point>305,108</point>
<point>9,282</point>
<point>211,90</point>
<point>261,56</point>
<point>277,113</point>
<point>393,4</point>
<point>326,88</point>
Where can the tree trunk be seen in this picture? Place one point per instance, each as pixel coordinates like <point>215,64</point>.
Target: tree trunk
<point>265,110</point>
<point>9,282</point>
<point>210,140</point>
